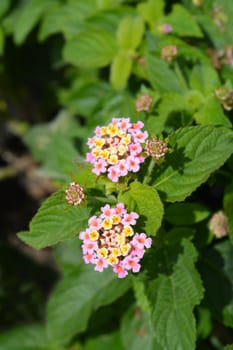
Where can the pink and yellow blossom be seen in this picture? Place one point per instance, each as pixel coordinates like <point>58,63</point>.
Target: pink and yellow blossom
<point>110,240</point>
<point>116,149</point>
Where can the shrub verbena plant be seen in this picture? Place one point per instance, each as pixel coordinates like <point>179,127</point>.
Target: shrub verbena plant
<point>141,223</point>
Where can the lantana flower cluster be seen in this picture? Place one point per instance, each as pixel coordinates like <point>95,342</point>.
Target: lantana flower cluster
<point>110,240</point>
<point>116,149</point>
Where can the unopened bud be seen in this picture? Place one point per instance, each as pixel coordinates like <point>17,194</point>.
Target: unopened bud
<point>169,52</point>
<point>74,194</point>
<point>156,148</point>
<point>165,28</point>
<point>143,103</point>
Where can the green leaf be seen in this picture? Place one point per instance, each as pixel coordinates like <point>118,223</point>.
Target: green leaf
<point>228,347</point>
<point>27,17</point>
<point>68,18</point>
<point>151,11</point>
<point>139,288</point>
<point>4,6</point>
<point>136,331</point>
<point>68,255</point>
<point>216,268</point>
<point>197,152</point>
<point>2,40</point>
<point>213,32</point>
<point>91,49</point>
<point>211,113</point>
<point>83,97</point>
<point>130,32</point>
<point>228,208</point>
<point>54,222</point>
<point>105,342</point>
<point>173,296</point>
<point>31,337</point>
<point>76,296</point>
<point>161,77</point>
<point>182,214</point>
<point>183,23</point>
<point>146,203</point>
<point>120,70</point>
<point>52,144</point>
<point>169,105</point>
<point>204,78</point>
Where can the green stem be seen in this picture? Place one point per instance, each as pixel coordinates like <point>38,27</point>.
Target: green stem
<point>180,76</point>
<point>150,168</point>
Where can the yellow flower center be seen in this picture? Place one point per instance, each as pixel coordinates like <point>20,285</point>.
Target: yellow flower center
<point>125,248</point>
<point>103,252</point>
<point>94,235</point>
<point>128,231</point>
<point>107,224</point>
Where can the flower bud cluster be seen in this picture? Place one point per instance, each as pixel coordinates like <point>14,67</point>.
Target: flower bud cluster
<point>143,103</point>
<point>169,52</point>
<point>110,240</point>
<point>116,148</point>
<point>156,148</point>
<point>74,194</point>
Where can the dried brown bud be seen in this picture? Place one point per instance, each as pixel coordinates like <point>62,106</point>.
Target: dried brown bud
<point>218,224</point>
<point>225,96</point>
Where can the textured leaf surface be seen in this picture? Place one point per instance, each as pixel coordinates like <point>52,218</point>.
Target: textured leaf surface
<point>211,113</point>
<point>26,338</point>
<point>91,49</point>
<point>76,296</point>
<point>105,342</point>
<point>173,296</point>
<point>136,331</point>
<point>216,269</point>
<point>183,23</point>
<point>161,77</point>
<point>54,222</point>
<point>198,151</point>
<point>204,78</point>
<point>140,294</point>
<point>146,202</point>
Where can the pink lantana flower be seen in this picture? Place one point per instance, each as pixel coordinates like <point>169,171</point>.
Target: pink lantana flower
<point>111,241</point>
<point>120,271</point>
<point>114,145</point>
